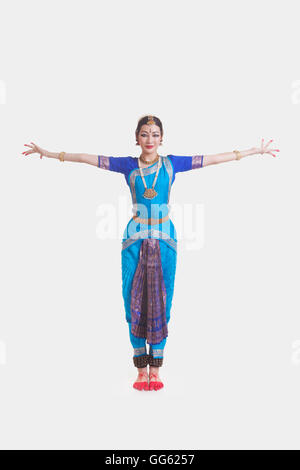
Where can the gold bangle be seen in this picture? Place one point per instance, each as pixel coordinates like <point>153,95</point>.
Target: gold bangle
<point>61,156</point>
<point>238,154</point>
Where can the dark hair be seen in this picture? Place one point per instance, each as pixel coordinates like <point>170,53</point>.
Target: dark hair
<point>144,120</point>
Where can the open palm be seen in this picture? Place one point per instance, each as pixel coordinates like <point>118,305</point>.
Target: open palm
<point>264,148</point>
<point>34,149</point>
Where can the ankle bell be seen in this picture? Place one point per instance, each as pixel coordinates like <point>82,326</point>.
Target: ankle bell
<point>140,361</point>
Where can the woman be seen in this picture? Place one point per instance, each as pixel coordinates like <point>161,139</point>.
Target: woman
<point>149,244</point>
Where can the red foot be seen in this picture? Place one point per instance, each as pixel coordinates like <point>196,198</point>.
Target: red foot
<point>141,385</point>
<point>154,384</point>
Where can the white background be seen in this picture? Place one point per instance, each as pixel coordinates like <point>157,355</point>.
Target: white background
<point>76,76</point>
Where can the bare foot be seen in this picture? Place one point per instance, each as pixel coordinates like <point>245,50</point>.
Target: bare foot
<point>155,382</point>
<point>141,382</point>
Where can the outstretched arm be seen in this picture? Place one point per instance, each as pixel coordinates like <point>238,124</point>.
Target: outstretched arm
<point>228,156</point>
<point>68,157</point>
<point>76,157</point>
<point>118,164</point>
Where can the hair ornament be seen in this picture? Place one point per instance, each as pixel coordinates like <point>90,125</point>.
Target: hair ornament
<point>150,120</point>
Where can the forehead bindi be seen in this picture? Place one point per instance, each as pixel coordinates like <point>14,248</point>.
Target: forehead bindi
<point>150,129</point>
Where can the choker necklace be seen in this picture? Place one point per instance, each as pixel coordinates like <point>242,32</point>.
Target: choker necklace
<point>153,161</point>
<point>150,193</point>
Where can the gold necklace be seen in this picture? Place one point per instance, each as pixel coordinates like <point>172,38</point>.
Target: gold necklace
<point>153,161</point>
<point>150,193</point>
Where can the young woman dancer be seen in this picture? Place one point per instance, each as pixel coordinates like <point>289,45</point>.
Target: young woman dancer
<point>149,244</point>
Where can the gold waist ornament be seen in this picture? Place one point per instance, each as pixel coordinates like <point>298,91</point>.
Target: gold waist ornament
<point>150,221</point>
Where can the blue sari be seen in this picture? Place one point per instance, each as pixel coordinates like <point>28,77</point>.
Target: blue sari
<point>149,247</point>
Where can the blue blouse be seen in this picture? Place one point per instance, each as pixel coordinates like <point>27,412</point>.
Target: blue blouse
<point>155,208</point>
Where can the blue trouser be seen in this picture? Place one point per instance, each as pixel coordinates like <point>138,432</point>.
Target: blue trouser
<point>156,351</point>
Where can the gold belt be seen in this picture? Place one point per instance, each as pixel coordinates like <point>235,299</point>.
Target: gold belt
<point>149,221</point>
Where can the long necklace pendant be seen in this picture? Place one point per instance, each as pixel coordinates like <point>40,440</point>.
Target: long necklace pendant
<point>150,193</point>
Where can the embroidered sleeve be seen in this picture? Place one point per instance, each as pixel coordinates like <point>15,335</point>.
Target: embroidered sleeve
<point>186,163</point>
<point>197,161</point>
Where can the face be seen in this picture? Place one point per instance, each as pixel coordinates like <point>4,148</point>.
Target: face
<point>149,138</point>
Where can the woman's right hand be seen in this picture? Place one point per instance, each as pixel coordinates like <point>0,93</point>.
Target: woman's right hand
<point>35,149</point>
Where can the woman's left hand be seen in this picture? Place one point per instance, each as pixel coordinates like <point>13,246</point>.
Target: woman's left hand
<point>264,148</point>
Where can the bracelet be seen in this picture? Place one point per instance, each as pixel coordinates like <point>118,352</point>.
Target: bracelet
<point>238,154</point>
<point>61,156</point>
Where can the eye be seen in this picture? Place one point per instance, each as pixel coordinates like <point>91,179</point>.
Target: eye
<point>145,135</point>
